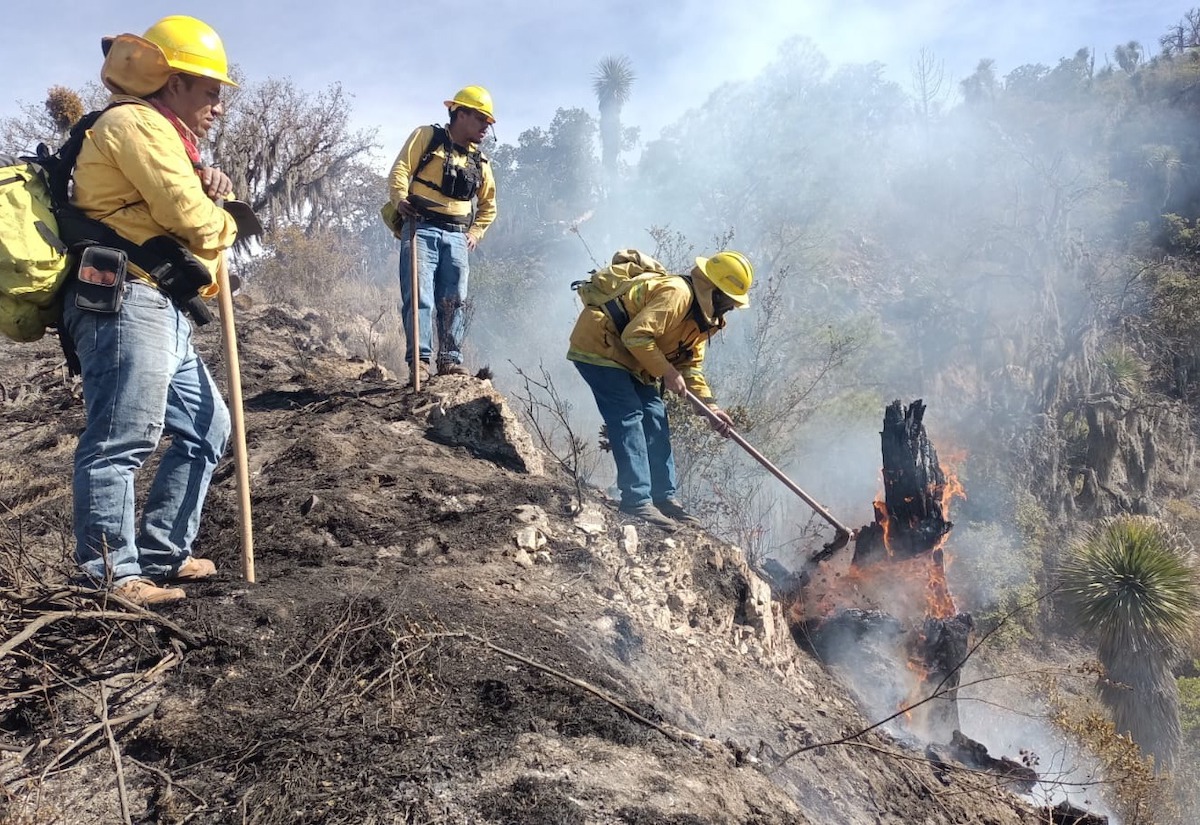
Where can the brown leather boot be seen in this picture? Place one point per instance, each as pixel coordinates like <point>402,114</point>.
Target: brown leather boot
<point>648,512</point>
<point>146,593</point>
<point>193,570</point>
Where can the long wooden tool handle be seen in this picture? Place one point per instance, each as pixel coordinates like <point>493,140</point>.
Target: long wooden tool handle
<point>761,459</point>
<point>237,417</point>
<point>414,290</point>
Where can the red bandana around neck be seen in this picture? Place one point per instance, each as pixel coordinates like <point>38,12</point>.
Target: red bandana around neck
<point>185,134</point>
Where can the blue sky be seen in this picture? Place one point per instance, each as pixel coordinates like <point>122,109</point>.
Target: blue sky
<point>536,56</point>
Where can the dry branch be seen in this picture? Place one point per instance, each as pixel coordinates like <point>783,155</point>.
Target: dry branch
<point>673,733</point>
<point>115,749</point>
<point>92,730</point>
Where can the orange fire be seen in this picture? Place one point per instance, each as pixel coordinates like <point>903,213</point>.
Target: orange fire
<point>907,587</point>
<point>904,587</point>
<point>952,488</point>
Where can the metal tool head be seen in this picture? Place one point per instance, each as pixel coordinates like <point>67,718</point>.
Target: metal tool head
<point>839,541</point>
<point>247,222</point>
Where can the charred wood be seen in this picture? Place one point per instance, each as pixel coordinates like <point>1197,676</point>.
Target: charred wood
<point>912,516</point>
<point>1064,813</point>
<point>966,751</point>
<point>941,649</point>
<point>832,638</point>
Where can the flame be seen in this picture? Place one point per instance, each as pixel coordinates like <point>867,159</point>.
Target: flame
<point>885,523</point>
<point>939,604</point>
<point>903,586</point>
<point>952,488</point>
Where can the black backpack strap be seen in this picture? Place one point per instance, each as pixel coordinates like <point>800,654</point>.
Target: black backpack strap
<point>616,311</point>
<point>620,317</point>
<point>60,165</point>
<point>439,140</point>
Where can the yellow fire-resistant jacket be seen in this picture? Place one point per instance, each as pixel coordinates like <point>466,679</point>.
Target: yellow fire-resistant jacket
<point>134,174</point>
<point>400,181</point>
<point>662,331</point>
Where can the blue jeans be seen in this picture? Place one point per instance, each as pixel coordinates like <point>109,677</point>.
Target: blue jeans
<point>141,379</point>
<point>442,270</point>
<point>638,432</point>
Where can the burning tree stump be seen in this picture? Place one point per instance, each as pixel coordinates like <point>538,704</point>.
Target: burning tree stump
<point>911,520</point>
<point>898,570</point>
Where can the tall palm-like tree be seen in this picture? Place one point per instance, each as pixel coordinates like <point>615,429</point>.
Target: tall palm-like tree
<point>613,84</point>
<point>1131,583</point>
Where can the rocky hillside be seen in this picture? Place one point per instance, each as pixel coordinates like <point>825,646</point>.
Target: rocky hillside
<point>437,635</point>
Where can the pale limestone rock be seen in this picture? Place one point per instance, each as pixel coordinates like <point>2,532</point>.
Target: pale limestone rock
<point>530,539</point>
<point>470,413</point>
<point>759,608</point>
<point>590,520</point>
<point>534,516</point>
<point>662,618</point>
<point>629,539</point>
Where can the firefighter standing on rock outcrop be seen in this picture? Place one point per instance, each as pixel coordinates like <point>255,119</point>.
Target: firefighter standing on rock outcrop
<point>664,325</point>
<point>433,182</point>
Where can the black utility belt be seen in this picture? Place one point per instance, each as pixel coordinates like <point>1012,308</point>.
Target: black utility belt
<point>101,276</point>
<point>447,224</point>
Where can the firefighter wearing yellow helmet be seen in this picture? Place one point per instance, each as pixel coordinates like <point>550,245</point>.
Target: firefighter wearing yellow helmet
<point>656,330</point>
<point>141,179</point>
<point>441,192</point>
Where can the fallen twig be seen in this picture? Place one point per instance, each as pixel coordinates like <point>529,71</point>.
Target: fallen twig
<point>122,795</point>
<point>673,733</point>
<point>92,730</point>
<point>170,780</point>
<point>61,598</point>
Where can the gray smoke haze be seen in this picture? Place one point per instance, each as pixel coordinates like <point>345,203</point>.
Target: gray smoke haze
<point>905,247</point>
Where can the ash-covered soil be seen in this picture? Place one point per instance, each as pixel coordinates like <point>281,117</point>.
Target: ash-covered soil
<point>436,635</point>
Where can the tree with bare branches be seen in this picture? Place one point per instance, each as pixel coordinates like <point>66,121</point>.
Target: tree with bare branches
<point>293,156</point>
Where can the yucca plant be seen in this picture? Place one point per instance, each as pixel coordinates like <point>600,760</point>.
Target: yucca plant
<point>1132,583</point>
<point>613,84</point>
<point>1125,372</point>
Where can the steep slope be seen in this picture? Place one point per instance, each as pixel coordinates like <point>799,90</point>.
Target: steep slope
<point>435,636</point>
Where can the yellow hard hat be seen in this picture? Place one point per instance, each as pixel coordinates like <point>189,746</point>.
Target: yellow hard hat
<point>473,97</point>
<point>729,272</point>
<point>191,46</point>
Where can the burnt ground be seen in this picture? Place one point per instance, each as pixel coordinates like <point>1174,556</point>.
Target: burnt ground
<point>434,637</point>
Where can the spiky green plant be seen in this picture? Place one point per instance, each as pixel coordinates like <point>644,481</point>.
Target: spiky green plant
<point>613,83</point>
<point>1125,372</point>
<point>1131,582</point>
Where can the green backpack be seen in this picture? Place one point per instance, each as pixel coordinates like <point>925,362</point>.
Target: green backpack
<point>606,286</point>
<point>33,261</point>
